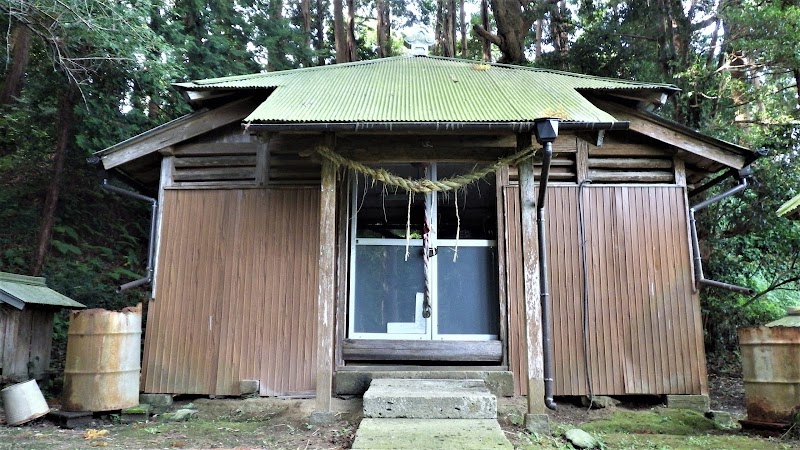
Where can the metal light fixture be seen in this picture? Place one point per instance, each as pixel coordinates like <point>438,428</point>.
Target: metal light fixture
<point>546,129</point>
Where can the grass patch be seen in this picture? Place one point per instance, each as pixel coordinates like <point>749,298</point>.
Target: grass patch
<point>679,422</point>
<point>620,441</point>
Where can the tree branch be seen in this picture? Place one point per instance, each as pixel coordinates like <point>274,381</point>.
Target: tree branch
<point>773,287</point>
<point>635,36</point>
<point>493,38</point>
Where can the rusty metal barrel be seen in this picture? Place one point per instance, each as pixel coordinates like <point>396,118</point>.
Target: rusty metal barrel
<point>103,359</point>
<point>771,370</point>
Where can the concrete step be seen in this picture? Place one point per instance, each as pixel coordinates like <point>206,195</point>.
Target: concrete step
<point>356,380</point>
<point>429,399</point>
<point>424,434</point>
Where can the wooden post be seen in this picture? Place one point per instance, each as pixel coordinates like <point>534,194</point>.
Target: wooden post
<point>530,265</point>
<point>327,289</point>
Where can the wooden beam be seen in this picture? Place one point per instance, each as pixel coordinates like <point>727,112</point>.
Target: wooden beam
<point>680,172</point>
<point>327,287</point>
<point>530,265</point>
<point>214,148</point>
<point>582,161</point>
<point>628,150</point>
<point>216,161</point>
<point>177,131</point>
<point>655,176</point>
<point>501,181</point>
<point>384,155</point>
<point>385,142</point>
<point>215,174</point>
<point>342,266</point>
<point>640,123</point>
<point>630,163</point>
<point>412,350</point>
<point>164,183</point>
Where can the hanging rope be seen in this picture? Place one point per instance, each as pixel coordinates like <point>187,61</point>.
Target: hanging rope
<point>423,185</point>
<point>426,254</point>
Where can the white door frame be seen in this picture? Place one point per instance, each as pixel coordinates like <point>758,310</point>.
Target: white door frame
<point>421,328</point>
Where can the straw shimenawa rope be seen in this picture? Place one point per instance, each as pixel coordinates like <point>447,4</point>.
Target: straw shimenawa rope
<point>425,186</point>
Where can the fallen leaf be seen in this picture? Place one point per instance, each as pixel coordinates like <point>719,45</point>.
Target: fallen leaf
<point>91,433</point>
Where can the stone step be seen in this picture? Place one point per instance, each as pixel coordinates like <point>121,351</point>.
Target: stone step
<point>429,399</point>
<point>424,434</point>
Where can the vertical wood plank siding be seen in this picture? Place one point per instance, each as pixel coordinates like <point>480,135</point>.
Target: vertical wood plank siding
<point>645,332</point>
<point>237,293</point>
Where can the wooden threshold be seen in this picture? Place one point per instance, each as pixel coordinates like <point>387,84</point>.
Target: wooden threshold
<point>419,350</point>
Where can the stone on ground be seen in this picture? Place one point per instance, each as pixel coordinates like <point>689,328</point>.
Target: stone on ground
<point>422,434</point>
<point>599,402</point>
<point>182,415</point>
<point>429,399</point>
<point>581,439</point>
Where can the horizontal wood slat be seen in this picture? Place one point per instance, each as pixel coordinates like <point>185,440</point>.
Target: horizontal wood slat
<point>645,331</point>
<point>237,277</point>
<point>412,350</point>
<point>616,176</point>
<point>216,161</point>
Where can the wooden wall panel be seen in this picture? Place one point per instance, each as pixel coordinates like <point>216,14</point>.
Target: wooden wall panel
<point>645,332</point>
<point>237,293</point>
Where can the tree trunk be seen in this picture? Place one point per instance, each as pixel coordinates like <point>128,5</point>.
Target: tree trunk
<point>384,28</point>
<point>797,84</point>
<point>305,13</point>
<point>320,40</point>
<point>463,22</point>
<point>66,121</point>
<point>513,19</point>
<point>20,43</point>
<point>487,45</point>
<point>538,45</point>
<point>438,30</point>
<point>446,18</point>
<point>339,32</point>
<point>558,28</point>
<point>351,30</point>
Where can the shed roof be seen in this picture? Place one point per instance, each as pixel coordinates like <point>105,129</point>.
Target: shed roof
<point>20,290</point>
<point>424,89</point>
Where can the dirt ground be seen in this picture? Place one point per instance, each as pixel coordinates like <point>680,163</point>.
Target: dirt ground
<point>284,424</point>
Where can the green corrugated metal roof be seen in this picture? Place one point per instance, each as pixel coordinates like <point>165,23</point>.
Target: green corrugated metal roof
<point>423,89</point>
<point>19,290</point>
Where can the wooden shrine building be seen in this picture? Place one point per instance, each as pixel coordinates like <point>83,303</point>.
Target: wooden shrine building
<point>280,258</point>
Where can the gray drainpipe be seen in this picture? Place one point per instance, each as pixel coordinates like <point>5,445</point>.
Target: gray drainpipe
<point>148,278</point>
<point>699,278</point>
<point>544,292</point>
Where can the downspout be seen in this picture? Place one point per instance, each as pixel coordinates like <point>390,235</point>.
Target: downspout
<point>699,278</point>
<point>544,293</point>
<point>148,278</point>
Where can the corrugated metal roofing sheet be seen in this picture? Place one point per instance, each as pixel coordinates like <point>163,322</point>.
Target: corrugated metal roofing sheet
<point>423,89</point>
<point>18,290</point>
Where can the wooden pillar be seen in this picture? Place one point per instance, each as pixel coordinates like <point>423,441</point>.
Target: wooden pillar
<point>327,287</point>
<point>530,267</point>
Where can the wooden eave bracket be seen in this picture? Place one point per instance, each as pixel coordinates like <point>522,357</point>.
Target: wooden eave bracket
<point>640,123</point>
<point>177,131</point>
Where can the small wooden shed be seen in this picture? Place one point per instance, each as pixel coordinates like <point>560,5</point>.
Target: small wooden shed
<point>281,259</point>
<point>27,307</point>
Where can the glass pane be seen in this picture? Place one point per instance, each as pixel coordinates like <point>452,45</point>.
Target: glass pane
<point>477,217</point>
<point>386,286</point>
<point>467,301</point>
<point>383,210</point>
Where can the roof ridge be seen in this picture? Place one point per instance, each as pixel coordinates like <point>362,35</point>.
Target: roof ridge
<point>553,71</point>
<point>209,81</point>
